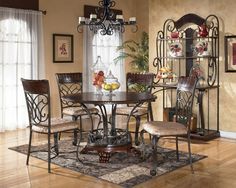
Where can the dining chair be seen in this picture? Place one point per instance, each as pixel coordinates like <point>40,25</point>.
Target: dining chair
<point>72,83</point>
<point>37,96</point>
<point>138,82</point>
<point>180,127</point>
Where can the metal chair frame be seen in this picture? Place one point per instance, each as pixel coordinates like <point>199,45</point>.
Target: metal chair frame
<point>145,80</point>
<point>72,83</point>
<point>37,96</point>
<point>183,111</point>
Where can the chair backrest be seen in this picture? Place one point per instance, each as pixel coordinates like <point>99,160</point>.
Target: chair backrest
<point>37,96</point>
<point>184,99</point>
<point>139,82</point>
<point>69,83</point>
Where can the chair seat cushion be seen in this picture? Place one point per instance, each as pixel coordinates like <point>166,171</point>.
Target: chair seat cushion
<point>78,111</point>
<point>57,125</point>
<point>161,128</point>
<point>127,109</point>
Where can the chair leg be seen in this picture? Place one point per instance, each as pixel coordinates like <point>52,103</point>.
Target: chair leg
<point>142,136</point>
<point>177,147</point>
<point>190,155</point>
<point>100,120</point>
<point>74,118</point>
<point>76,137</point>
<point>49,153</point>
<point>77,150</point>
<point>29,148</point>
<point>138,119</point>
<point>56,146</point>
<point>142,148</point>
<point>80,127</point>
<point>154,166</point>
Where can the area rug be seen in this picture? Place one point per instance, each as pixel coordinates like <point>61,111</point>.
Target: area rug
<point>124,169</point>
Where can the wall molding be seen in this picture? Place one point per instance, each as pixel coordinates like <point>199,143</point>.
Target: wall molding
<point>226,134</point>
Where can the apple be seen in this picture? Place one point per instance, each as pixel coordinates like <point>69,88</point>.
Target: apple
<point>101,73</point>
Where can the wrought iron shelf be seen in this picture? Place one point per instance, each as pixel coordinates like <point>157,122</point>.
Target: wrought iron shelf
<point>187,38</point>
<point>184,57</point>
<point>187,29</point>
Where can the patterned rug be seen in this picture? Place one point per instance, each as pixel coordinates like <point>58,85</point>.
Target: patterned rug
<point>126,170</point>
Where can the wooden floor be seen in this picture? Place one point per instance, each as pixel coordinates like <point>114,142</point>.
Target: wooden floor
<point>216,171</point>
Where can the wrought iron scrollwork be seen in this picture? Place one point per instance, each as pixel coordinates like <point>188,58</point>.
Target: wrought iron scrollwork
<point>67,89</point>
<point>37,108</point>
<point>184,106</point>
<point>213,25</point>
<point>212,72</point>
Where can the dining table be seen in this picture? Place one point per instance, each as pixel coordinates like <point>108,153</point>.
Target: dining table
<point>108,138</point>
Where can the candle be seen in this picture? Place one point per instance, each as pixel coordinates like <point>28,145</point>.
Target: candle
<point>81,20</point>
<point>119,17</point>
<point>93,16</point>
<point>132,20</point>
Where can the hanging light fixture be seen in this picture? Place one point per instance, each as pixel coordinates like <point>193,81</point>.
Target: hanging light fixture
<point>106,22</point>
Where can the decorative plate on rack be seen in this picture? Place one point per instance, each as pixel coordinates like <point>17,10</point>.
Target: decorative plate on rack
<point>202,48</point>
<point>175,49</point>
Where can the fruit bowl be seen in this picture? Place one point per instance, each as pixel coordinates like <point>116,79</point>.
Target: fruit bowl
<point>111,83</point>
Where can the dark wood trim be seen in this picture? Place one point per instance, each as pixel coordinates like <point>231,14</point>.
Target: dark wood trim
<point>88,9</point>
<point>189,18</point>
<point>21,4</point>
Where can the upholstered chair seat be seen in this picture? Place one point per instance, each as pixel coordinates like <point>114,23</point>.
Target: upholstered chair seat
<point>139,111</point>
<point>57,125</point>
<point>160,128</point>
<point>78,111</point>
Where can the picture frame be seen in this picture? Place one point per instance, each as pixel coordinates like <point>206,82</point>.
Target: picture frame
<point>63,48</point>
<point>230,53</point>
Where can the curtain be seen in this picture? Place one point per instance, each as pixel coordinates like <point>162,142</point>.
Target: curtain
<point>21,53</point>
<point>104,46</point>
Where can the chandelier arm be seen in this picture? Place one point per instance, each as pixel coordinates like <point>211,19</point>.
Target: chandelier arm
<point>106,22</point>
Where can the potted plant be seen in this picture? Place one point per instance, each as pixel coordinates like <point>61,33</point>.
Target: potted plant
<point>138,52</point>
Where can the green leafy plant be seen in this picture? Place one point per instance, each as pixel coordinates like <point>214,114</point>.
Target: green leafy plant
<point>138,52</point>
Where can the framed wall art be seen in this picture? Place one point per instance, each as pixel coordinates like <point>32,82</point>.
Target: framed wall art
<point>230,53</point>
<point>63,48</point>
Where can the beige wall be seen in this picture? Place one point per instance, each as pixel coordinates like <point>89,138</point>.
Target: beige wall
<point>62,17</point>
<point>161,10</point>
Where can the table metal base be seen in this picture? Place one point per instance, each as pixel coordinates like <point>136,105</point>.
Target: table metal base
<point>119,141</point>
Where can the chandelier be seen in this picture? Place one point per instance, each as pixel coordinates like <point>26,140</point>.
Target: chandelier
<point>106,23</point>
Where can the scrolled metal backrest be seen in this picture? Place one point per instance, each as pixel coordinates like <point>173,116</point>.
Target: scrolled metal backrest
<point>139,82</point>
<point>184,99</point>
<point>69,83</point>
<point>37,96</point>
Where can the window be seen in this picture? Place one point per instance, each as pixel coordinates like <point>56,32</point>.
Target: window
<point>19,57</point>
<point>104,46</point>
